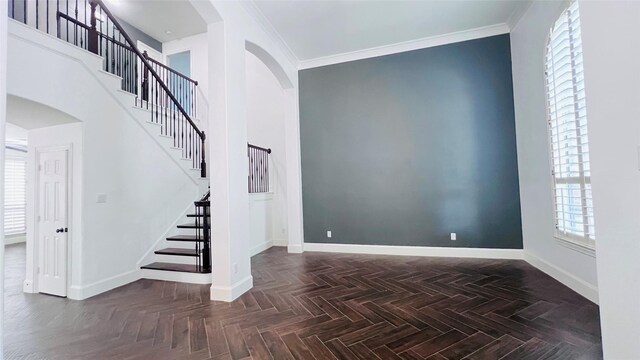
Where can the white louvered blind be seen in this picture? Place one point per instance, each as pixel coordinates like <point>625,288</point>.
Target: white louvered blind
<point>15,198</point>
<point>568,130</point>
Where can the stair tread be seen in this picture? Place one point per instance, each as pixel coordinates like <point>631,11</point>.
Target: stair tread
<point>178,252</point>
<point>197,215</point>
<point>190,226</point>
<point>184,238</point>
<point>172,267</point>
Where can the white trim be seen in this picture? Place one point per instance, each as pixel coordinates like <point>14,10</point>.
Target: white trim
<point>84,292</point>
<point>260,248</point>
<point>296,248</point>
<point>230,293</point>
<point>576,284</point>
<point>254,11</point>
<point>280,242</point>
<point>264,196</point>
<point>517,15</point>
<point>34,284</point>
<point>15,239</point>
<point>176,276</point>
<point>431,41</point>
<point>575,245</point>
<point>512,254</point>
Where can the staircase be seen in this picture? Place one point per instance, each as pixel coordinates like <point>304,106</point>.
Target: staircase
<point>198,244</point>
<point>165,95</point>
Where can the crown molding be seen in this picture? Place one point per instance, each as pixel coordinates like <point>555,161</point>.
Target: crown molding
<point>517,15</point>
<point>422,43</point>
<point>252,9</point>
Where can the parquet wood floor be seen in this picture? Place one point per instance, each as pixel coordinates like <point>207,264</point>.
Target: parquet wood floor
<point>315,306</point>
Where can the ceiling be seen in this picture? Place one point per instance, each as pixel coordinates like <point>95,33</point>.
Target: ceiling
<point>28,115</point>
<point>163,20</point>
<point>314,29</point>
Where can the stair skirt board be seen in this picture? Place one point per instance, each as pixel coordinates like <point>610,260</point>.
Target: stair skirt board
<point>183,277</point>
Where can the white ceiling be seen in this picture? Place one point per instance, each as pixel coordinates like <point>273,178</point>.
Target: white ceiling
<point>158,17</point>
<point>28,115</point>
<point>314,29</point>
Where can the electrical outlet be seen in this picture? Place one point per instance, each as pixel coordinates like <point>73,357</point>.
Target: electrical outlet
<point>328,233</point>
<point>101,198</point>
<point>235,268</point>
<point>454,237</point>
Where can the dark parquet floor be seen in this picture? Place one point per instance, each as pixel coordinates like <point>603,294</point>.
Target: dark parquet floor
<point>315,306</point>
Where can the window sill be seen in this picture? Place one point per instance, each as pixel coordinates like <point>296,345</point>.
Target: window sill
<point>576,246</point>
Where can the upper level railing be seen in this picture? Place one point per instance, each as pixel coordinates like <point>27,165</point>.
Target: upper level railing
<point>169,95</point>
<point>258,169</point>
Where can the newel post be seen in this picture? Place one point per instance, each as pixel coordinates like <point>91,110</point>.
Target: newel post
<point>92,33</point>
<point>145,78</point>
<point>203,163</point>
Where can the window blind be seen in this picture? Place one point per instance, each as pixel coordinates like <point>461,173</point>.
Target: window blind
<point>15,196</point>
<point>567,119</point>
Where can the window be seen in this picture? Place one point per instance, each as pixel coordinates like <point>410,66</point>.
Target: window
<point>567,119</point>
<point>15,192</point>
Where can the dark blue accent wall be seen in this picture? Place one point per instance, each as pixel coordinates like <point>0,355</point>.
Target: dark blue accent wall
<point>407,148</point>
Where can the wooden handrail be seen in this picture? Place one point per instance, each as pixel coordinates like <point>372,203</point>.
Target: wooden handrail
<point>169,69</point>
<point>148,66</point>
<point>259,148</point>
<point>92,36</point>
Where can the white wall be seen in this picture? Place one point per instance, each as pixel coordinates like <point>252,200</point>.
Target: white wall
<point>61,135</point>
<point>260,222</point>
<point>528,39</point>
<point>265,128</point>
<point>3,121</point>
<point>197,45</point>
<point>146,187</point>
<point>612,76</point>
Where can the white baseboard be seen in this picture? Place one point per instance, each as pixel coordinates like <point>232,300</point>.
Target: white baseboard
<point>10,240</point>
<point>98,287</point>
<point>280,242</point>
<point>230,293</point>
<point>580,286</point>
<point>191,278</point>
<point>260,248</point>
<point>512,254</point>
<point>295,248</point>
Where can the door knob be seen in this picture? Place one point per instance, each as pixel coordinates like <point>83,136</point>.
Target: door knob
<point>60,230</point>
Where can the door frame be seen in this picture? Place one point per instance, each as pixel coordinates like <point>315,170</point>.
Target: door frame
<point>36,206</point>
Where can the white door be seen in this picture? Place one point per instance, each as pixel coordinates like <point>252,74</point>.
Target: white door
<point>52,225</point>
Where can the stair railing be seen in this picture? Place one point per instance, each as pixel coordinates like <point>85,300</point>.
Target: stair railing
<point>203,233</point>
<point>166,109</point>
<point>258,181</point>
<point>168,95</point>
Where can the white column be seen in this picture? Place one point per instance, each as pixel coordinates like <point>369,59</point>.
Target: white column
<point>228,164</point>
<point>294,171</point>
<point>612,85</point>
<point>3,121</point>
